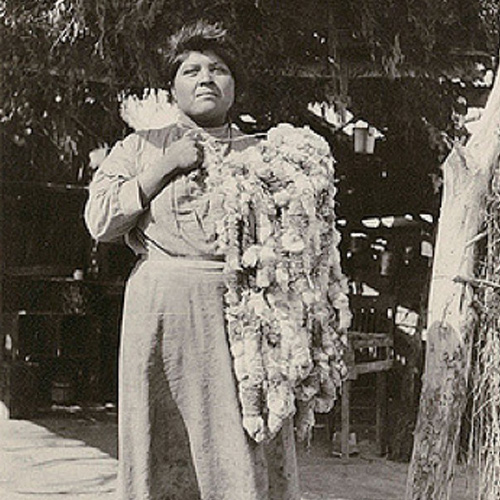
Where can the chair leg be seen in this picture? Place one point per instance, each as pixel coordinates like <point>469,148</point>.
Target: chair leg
<point>381,397</point>
<point>345,418</point>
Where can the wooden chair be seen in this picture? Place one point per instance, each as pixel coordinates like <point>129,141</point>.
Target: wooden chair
<point>370,350</point>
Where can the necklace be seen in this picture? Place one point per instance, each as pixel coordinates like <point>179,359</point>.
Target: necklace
<point>216,144</point>
<point>218,140</point>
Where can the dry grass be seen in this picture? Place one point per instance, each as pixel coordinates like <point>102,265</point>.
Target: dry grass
<point>484,449</point>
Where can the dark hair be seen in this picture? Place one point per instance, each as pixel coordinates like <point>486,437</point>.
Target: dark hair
<point>202,36</point>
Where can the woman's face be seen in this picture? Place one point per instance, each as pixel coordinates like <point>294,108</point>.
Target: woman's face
<point>203,88</point>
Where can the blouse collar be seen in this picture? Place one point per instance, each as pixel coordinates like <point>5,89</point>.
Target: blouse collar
<point>220,132</point>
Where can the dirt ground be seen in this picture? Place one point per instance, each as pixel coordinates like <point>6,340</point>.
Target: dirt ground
<point>323,475</point>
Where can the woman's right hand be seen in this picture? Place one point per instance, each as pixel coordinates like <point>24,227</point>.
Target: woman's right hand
<point>181,156</point>
<point>184,155</point>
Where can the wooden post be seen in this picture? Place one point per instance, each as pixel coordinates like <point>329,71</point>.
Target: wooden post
<point>451,317</point>
<point>4,368</point>
<point>346,420</point>
<point>336,65</point>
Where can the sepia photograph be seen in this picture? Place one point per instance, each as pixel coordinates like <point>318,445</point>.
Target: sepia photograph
<point>249,250</point>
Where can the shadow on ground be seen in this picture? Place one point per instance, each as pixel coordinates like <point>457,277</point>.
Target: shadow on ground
<point>96,426</point>
<point>324,476</point>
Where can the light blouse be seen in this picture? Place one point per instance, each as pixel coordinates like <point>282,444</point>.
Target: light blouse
<point>180,220</point>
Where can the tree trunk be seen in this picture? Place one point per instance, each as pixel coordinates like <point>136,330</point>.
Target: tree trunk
<point>451,317</point>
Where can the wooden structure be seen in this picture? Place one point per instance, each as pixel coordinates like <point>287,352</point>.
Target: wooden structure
<point>453,311</point>
<point>58,328</point>
<point>370,351</point>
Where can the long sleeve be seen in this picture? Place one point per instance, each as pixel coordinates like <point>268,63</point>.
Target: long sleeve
<point>114,203</point>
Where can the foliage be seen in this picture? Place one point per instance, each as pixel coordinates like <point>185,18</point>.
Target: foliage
<point>425,32</point>
<point>64,61</point>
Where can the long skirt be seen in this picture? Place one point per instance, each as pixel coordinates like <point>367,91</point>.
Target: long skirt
<point>180,429</point>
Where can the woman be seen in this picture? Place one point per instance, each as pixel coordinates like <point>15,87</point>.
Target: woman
<point>180,429</point>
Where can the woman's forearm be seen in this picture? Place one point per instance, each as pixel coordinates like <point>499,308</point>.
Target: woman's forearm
<point>154,178</point>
